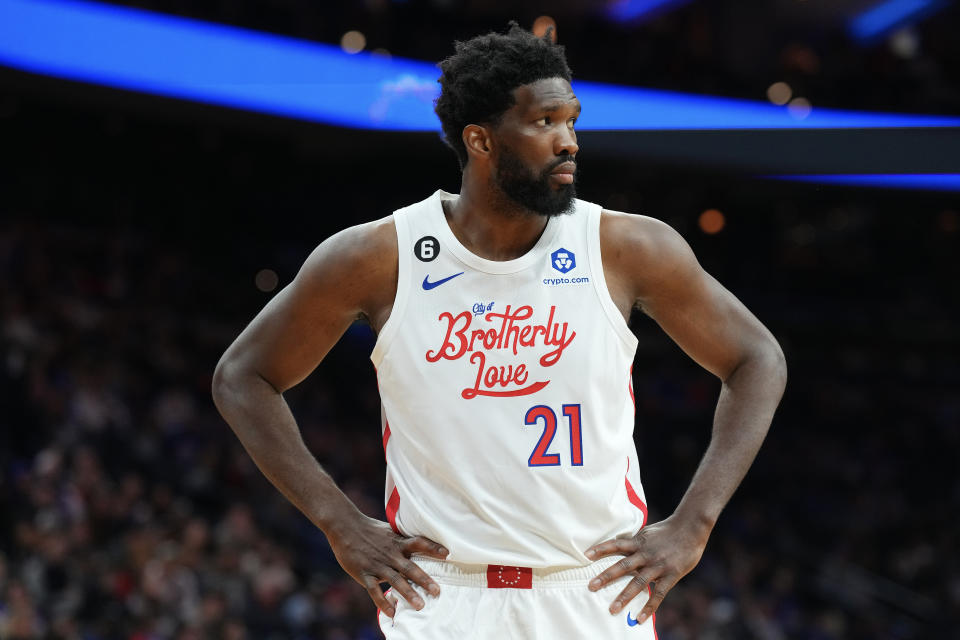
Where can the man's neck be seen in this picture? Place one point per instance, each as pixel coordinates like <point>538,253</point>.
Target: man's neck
<point>490,224</point>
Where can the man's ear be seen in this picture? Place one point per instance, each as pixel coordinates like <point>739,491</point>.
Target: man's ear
<point>477,140</point>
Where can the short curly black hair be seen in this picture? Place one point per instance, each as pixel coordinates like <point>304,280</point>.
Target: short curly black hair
<point>477,82</point>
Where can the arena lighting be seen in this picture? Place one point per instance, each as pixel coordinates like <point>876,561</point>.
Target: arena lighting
<point>633,10</point>
<point>799,108</point>
<point>884,17</point>
<point>266,280</point>
<point>165,55</point>
<point>353,42</point>
<point>779,93</point>
<point>712,221</point>
<point>926,181</point>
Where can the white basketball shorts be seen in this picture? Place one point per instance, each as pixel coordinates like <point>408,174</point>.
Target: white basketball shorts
<point>487,602</point>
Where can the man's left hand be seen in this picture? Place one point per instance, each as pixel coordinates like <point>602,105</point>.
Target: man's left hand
<point>657,557</point>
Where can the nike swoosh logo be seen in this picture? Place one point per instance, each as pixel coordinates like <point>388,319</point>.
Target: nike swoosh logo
<point>631,621</point>
<point>427,285</point>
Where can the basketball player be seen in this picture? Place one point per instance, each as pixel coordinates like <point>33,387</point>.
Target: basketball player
<point>503,358</point>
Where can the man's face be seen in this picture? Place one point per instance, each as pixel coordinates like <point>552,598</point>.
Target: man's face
<point>535,163</point>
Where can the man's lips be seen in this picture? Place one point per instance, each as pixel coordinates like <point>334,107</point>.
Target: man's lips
<point>564,173</point>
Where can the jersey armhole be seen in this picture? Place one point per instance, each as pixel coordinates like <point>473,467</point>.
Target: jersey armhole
<point>389,329</point>
<point>614,316</point>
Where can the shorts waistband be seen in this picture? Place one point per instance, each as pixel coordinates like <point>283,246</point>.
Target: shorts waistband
<point>499,576</point>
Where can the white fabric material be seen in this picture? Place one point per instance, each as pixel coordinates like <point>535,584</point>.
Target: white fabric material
<point>558,607</point>
<point>474,371</point>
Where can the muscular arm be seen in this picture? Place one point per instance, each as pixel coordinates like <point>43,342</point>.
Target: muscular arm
<point>353,273</point>
<point>648,264</point>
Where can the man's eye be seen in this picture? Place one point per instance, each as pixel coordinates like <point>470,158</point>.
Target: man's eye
<point>571,122</point>
<point>544,120</point>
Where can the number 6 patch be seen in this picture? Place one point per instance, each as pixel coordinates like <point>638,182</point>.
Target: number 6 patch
<point>427,248</point>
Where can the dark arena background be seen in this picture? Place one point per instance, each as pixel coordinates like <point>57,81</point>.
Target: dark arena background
<point>145,219</point>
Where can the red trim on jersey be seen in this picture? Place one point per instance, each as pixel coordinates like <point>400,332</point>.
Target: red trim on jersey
<point>505,577</point>
<point>633,400</point>
<point>386,438</point>
<point>394,502</point>
<point>392,505</point>
<point>633,497</point>
<point>635,500</point>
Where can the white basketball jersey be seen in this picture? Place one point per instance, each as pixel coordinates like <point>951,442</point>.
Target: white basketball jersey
<point>507,395</point>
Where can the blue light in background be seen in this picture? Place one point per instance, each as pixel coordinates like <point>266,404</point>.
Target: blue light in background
<point>633,10</point>
<point>171,56</point>
<point>926,181</point>
<point>886,16</point>
<point>610,107</point>
<point>216,64</point>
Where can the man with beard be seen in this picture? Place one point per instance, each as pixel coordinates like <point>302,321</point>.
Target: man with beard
<point>504,363</point>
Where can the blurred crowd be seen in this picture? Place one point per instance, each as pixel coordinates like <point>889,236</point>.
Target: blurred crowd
<point>129,511</point>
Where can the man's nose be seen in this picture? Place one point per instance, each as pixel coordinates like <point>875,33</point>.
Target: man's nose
<point>567,143</point>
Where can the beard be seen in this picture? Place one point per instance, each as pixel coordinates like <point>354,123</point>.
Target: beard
<point>534,191</point>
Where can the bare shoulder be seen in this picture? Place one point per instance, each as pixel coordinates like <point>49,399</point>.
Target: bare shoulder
<point>356,245</point>
<point>640,253</point>
<point>350,274</point>
<point>650,265</point>
<point>640,237</point>
<point>360,262</point>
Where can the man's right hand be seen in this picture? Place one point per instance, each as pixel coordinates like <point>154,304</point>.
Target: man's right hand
<point>371,552</point>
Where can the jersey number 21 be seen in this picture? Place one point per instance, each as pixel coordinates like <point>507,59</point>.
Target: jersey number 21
<point>540,457</point>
